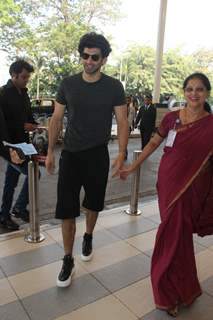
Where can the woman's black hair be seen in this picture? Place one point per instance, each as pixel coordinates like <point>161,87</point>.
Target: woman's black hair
<point>203,78</point>
<point>94,40</point>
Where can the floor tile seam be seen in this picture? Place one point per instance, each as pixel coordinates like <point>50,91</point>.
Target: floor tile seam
<point>117,224</point>
<point>207,293</point>
<point>106,266</point>
<point>18,300</point>
<point>106,294</point>
<point>14,291</point>
<point>12,256</point>
<point>21,232</point>
<point>4,273</point>
<point>14,275</point>
<point>43,289</point>
<point>122,208</point>
<point>152,220</point>
<point>33,268</point>
<point>25,310</point>
<point>75,256</point>
<point>120,237</point>
<point>204,245</point>
<point>126,306</point>
<point>206,251</point>
<point>113,291</point>
<point>86,273</point>
<point>138,249</point>
<point>143,252</point>
<point>31,249</point>
<point>60,243</point>
<point>82,265</point>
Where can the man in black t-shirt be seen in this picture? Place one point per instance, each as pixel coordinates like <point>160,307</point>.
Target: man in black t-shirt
<point>90,98</point>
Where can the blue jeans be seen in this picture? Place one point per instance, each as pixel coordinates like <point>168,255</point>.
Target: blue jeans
<point>11,180</point>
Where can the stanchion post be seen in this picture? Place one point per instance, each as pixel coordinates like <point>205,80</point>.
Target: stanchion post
<point>33,185</point>
<point>133,210</point>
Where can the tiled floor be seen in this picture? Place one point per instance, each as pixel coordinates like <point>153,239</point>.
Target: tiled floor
<point>115,285</point>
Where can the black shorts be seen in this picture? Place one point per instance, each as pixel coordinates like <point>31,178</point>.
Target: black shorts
<point>88,169</point>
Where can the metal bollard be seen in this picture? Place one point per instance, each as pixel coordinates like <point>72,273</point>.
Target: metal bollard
<point>133,210</point>
<point>34,233</point>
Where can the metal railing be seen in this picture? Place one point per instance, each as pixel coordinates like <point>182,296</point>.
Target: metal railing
<point>34,234</point>
<point>133,210</point>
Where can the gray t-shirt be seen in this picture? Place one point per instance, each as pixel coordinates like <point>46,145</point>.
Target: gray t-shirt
<point>90,107</point>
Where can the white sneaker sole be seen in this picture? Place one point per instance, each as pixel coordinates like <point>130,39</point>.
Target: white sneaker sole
<point>64,284</point>
<point>86,258</point>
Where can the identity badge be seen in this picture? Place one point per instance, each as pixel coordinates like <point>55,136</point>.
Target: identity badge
<point>171,138</point>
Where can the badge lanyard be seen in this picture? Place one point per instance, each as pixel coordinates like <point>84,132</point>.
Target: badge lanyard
<point>172,134</point>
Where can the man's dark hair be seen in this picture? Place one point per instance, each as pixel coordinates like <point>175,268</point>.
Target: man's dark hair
<point>148,96</point>
<point>94,40</point>
<point>18,66</point>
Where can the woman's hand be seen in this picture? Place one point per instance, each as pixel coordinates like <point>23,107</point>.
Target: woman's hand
<point>118,164</point>
<point>125,171</point>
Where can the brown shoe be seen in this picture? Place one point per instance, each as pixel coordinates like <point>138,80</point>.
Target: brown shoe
<point>173,312</point>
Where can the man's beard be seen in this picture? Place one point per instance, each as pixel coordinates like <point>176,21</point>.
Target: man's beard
<point>92,70</point>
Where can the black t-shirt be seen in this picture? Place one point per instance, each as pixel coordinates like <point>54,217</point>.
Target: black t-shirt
<point>4,152</point>
<point>16,108</point>
<point>90,107</point>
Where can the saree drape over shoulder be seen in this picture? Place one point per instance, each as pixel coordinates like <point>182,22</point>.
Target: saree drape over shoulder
<point>185,190</point>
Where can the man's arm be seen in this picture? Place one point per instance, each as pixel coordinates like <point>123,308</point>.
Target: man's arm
<point>138,117</point>
<point>123,133</point>
<point>53,132</point>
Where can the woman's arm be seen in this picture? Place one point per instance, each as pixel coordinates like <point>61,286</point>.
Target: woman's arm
<point>147,151</point>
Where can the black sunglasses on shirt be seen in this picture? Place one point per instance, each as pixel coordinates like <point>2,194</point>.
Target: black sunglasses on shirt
<point>94,57</point>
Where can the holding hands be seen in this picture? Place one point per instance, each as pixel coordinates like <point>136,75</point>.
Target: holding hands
<point>125,171</point>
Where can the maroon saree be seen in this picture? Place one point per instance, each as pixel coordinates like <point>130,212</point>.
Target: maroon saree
<point>185,190</point>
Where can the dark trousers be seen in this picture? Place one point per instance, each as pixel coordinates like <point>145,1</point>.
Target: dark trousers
<point>145,137</point>
<point>11,180</point>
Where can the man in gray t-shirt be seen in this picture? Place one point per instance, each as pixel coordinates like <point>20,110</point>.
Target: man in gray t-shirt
<point>90,98</point>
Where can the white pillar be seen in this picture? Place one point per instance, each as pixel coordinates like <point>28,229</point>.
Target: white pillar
<point>159,50</point>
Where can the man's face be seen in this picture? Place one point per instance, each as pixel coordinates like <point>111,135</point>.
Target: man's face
<point>21,79</point>
<point>92,60</point>
<point>147,101</point>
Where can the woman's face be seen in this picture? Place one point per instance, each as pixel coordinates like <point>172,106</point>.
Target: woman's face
<point>195,93</point>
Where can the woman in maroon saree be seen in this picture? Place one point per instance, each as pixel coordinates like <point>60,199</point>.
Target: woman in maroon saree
<point>185,192</point>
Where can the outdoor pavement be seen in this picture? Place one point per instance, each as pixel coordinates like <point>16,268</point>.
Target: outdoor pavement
<point>114,285</point>
<point>118,191</point>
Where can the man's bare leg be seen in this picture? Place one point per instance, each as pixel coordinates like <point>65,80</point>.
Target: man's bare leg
<point>68,232</point>
<point>91,218</point>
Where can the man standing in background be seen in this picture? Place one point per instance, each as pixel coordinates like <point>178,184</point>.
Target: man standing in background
<point>16,108</point>
<point>147,117</point>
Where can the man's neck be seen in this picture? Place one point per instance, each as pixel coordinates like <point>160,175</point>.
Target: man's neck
<point>91,77</point>
<point>15,85</point>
